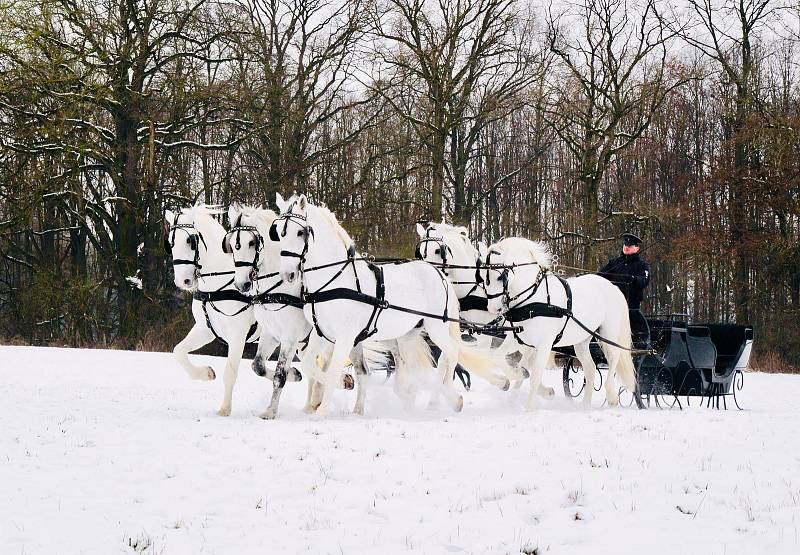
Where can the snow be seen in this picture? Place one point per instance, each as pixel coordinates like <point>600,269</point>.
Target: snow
<point>119,452</point>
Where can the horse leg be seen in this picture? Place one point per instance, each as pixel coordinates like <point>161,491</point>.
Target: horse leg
<point>612,395</point>
<point>198,336</point>
<point>404,386</point>
<point>589,370</point>
<point>514,372</point>
<point>235,349</point>
<point>309,368</point>
<point>536,360</point>
<point>266,346</point>
<point>279,379</point>
<point>360,369</point>
<point>445,337</point>
<point>333,372</point>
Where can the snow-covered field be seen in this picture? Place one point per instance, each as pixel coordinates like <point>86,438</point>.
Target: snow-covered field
<point>119,452</point>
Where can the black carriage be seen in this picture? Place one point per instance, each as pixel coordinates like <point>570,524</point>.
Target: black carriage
<point>676,359</point>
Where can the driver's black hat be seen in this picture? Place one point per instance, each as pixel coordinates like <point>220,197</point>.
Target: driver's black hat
<point>629,239</point>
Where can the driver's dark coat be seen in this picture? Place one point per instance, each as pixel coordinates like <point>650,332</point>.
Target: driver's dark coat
<point>631,274</point>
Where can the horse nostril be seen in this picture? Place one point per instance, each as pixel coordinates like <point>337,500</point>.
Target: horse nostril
<point>187,281</point>
<point>291,277</point>
<point>246,286</point>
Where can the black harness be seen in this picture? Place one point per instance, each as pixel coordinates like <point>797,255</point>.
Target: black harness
<point>469,301</point>
<point>323,294</point>
<point>206,298</point>
<point>210,297</point>
<point>523,311</point>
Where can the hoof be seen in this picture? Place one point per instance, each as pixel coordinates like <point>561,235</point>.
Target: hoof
<point>268,415</point>
<point>211,375</point>
<point>348,382</point>
<point>459,404</point>
<point>547,392</point>
<point>224,411</point>
<point>506,385</point>
<point>309,409</point>
<point>525,374</point>
<point>294,376</point>
<point>613,402</point>
<point>359,410</point>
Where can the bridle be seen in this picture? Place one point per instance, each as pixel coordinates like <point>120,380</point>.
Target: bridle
<point>194,238</point>
<point>504,271</point>
<point>421,250</point>
<point>258,240</point>
<point>306,230</point>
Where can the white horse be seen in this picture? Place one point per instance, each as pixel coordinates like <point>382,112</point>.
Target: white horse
<point>450,248</point>
<point>348,299</point>
<point>194,238</point>
<point>279,312</point>
<point>519,285</point>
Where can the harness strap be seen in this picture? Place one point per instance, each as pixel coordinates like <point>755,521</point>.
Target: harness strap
<point>221,295</point>
<point>278,298</point>
<point>380,296</point>
<point>473,302</point>
<point>251,333</point>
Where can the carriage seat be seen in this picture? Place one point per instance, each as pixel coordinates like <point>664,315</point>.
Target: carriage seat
<point>733,347</point>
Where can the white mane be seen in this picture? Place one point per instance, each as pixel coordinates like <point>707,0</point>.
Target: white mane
<point>457,230</point>
<point>538,251</point>
<point>202,217</point>
<point>264,215</point>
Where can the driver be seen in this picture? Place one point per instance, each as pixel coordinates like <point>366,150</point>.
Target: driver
<point>628,271</point>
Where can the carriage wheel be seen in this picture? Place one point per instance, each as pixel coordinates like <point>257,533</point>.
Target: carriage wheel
<point>738,384</point>
<point>665,391</point>
<point>570,379</point>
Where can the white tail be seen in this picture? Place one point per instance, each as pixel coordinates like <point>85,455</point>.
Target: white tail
<point>481,362</point>
<point>625,368</point>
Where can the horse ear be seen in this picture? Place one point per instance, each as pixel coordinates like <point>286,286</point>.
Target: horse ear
<point>226,244</point>
<point>169,216</point>
<point>420,230</point>
<point>303,202</point>
<point>273,232</point>
<point>279,202</point>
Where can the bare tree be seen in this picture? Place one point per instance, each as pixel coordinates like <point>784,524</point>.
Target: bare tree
<point>100,68</point>
<point>472,60</point>
<point>611,77</point>
<point>729,32</point>
<point>297,64</point>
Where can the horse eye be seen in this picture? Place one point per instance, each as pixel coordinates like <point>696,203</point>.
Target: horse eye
<point>300,233</point>
<point>437,251</point>
<point>251,243</point>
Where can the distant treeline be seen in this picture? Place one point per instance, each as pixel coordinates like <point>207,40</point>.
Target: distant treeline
<point>568,123</point>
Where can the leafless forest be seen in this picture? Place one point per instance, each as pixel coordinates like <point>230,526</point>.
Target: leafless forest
<point>569,122</point>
